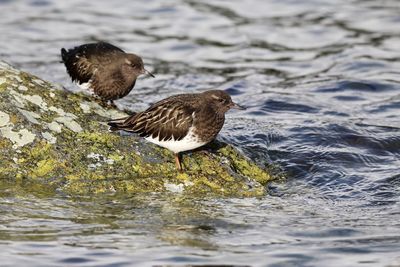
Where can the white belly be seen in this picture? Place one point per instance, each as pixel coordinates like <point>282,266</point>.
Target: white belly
<point>85,86</point>
<point>189,142</point>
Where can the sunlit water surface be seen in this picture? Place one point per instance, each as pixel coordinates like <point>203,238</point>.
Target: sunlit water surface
<point>321,82</point>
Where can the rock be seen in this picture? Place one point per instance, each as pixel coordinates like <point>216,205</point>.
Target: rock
<point>58,139</point>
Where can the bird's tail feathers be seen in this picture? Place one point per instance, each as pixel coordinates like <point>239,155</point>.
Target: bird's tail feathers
<point>64,55</point>
<point>117,124</point>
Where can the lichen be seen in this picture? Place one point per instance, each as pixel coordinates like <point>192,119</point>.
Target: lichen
<point>43,168</point>
<point>70,123</point>
<point>245,166</point>
<point>98,140</point>
<point>85,107</point>
<point>54,126</point>
<point>19,138</point>
<point>30,116</point>
<point>36,100</point>
<point>2,80</point>
<point>22,88</point>
<point>49,137</point>
<point>4,118</point>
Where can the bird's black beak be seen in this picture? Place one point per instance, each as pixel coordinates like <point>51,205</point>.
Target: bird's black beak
<point>236,106</point>
<point>148,72</point>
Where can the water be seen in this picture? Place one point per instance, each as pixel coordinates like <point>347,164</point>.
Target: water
<point>321,82</point>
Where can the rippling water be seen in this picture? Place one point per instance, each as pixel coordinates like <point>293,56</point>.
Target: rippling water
<point>321,80</point>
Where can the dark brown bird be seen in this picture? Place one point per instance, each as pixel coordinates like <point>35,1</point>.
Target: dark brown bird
<point>106,70</point>
<point>181,122</point>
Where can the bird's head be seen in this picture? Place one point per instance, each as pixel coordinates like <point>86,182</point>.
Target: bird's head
<point>134,64</point>
<point>221,100</point>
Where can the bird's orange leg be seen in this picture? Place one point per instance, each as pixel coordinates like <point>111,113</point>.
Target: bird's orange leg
<point>178,162</point>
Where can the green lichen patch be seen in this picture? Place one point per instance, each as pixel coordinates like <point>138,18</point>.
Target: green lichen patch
<point>244,166</point>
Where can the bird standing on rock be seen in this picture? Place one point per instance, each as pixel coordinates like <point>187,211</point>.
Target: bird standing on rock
<point>106,70</point>
<point>181,122</point>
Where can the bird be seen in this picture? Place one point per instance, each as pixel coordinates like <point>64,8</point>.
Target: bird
<point>181,122</point>
<point>106,70</point>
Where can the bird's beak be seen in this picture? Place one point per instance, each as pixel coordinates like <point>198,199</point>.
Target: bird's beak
<point>236,106</point>
<point>144,71</point>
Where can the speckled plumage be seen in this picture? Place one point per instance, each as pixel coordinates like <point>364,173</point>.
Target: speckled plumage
<point>181,122</point>
<point>106,70</point>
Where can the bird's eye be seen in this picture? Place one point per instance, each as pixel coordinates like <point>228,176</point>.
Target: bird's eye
<point>221,100</point>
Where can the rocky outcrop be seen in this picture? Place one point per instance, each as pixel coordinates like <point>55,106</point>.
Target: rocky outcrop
<point>54,138</point>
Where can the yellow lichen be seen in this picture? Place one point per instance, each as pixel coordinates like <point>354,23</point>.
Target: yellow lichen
<point>115,157</point>
<point>98,138</point>
<point>244,166</point>
<point>182,177</point>
<point>72,177</point>
<point>40,150</point>
<point>43,168</point>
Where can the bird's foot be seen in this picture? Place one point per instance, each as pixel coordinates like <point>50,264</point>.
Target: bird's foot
<point>105,103</point>
<point>111,104</point>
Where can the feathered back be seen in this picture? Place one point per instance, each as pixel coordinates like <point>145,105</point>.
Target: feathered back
<point>168,119</point>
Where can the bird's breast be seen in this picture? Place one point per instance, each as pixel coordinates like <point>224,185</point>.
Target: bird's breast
<point>207,125</point>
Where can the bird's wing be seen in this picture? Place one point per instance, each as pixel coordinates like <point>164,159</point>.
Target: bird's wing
<point>166,120</point>
<point>84,61</point>
<point>101,53</point>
